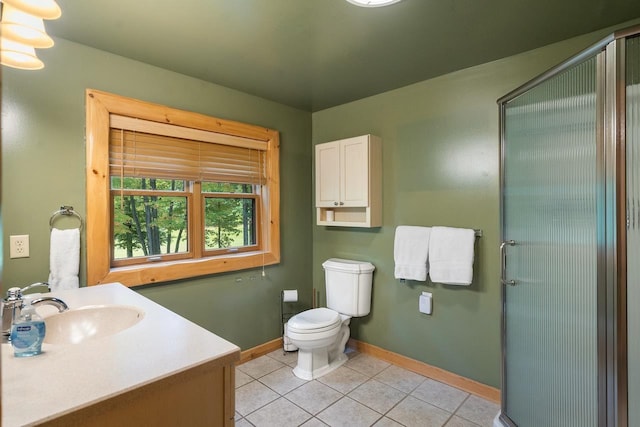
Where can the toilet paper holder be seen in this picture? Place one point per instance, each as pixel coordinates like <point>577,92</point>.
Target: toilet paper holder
<point>287,296</point>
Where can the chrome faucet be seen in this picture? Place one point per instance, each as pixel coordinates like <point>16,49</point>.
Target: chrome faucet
<point>13,304</point>
<point>56,302</point>
<point>33,285</point>
<point>10,305</point>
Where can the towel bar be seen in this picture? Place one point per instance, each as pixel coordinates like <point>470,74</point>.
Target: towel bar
<point>67,211</point>
<point>478,233</point>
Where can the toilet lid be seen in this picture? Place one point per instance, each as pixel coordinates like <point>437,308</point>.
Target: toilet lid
<point>315,319</point>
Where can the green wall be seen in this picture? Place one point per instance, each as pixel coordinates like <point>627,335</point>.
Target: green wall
<point>43,166</point>
<point>440,167</point>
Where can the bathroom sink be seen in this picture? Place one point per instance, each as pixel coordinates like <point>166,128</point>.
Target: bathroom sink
<point>90,322</point>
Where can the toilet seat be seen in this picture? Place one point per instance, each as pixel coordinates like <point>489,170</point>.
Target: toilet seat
<point>314,321</point>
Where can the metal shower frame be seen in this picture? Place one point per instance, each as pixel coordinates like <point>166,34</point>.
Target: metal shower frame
<point>611,239</point>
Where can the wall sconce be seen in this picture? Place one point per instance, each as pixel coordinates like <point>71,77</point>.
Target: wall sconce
<point>22,30</point>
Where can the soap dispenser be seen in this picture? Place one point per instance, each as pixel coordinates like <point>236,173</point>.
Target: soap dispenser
<point>27,332</point>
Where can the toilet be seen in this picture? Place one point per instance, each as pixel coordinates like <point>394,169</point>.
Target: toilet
<point>321,334</point>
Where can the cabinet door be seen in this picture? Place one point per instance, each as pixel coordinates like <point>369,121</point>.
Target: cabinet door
<point>354,167</point>
<point>328,174</point>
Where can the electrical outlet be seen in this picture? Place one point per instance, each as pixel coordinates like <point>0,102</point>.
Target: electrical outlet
<point>19,246</point>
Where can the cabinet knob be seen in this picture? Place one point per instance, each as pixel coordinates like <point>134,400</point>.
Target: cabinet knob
<point>341,203</point>
<point>335,203</point>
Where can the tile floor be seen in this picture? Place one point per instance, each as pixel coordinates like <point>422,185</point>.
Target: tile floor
<point>365,391</point>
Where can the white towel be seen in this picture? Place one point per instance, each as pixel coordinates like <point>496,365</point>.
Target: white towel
<point>64,259</point>
<point>451,255</point>
<point>411,251</point>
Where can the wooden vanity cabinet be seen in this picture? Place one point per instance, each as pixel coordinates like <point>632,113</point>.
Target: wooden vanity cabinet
<point>200,396</point>
<point>349,182</point>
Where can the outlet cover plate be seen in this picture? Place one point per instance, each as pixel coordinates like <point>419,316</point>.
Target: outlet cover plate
<point>19,246</point>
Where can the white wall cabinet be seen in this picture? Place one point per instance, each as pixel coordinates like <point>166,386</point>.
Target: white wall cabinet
<point>349,182</point>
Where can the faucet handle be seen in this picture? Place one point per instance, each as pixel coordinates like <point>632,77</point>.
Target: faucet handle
<point>14,294</point>
<point>35,285</point>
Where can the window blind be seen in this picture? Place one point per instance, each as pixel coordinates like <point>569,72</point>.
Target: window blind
<point>137,153</point>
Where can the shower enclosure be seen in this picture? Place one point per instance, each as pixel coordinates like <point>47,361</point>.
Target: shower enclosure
<point>570,252</point>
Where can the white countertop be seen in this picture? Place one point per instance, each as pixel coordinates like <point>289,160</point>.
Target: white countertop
<point>65,378</point>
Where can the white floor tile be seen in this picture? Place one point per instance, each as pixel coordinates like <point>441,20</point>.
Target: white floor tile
<point>242,378</point>
<point>289,358</point>
<point>260,367</point>
<point>252,396</point>
<point>377,396</point>
<point>243,423</point>
<point>367,365</point>
<point>402,379</point>
<point>412,412</point>
<point>314,422</point>
<point>348,413</point>
<point>478,410</point>
<point>313,396</point>
<point>281,413</point>
<point>282,381</point>
<point>387,422</point>
<point>364,391</point>
<point>343,379</point>
<point>456,421</point>
<point>440,395</point>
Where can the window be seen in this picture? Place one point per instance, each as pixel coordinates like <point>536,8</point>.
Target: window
<point>173,194</point>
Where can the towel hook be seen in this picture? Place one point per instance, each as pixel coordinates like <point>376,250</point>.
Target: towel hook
<point>66,211</point>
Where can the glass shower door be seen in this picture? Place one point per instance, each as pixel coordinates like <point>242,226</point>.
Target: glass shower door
<point>549,212</point>
<point>633,226</point>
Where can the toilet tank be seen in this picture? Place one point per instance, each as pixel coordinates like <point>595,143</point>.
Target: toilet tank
<point>348,285</point>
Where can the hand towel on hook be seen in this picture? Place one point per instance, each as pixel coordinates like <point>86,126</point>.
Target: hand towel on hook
<point>64,259</point>
<point>411,252</point>
<point>451,255</point>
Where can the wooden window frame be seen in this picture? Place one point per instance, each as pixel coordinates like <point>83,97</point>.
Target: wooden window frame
<point>99,106</point>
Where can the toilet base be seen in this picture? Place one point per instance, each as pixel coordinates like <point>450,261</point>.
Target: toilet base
<point>304,373</point>
<point>316,362</point>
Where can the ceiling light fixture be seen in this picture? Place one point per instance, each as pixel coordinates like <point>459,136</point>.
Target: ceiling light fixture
<point>45,9</point>
<point>19,55</point>
<point>21,27</point>
<point>22,30</point>
<point>373,3</point>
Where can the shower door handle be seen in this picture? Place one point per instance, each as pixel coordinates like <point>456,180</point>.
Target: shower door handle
<point>503,262</point>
